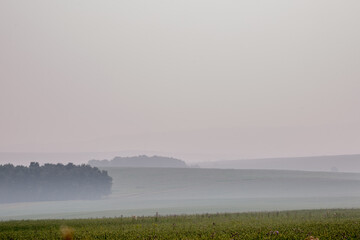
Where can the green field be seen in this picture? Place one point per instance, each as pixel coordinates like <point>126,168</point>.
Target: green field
<point>145,191</point>
<point>321,224</point>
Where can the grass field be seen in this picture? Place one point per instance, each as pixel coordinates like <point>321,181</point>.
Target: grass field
<point>306,224</point>
<point>144,191</point>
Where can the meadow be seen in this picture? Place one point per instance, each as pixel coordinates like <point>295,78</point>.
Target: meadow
<point>305,224</point>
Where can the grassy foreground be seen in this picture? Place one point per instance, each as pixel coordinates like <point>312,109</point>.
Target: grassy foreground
<point>306,224</point>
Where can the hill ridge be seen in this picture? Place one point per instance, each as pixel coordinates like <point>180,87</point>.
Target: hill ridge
<point>141,161</point>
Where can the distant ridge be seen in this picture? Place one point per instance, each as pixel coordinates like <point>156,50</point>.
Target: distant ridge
<point>141,161</point>
<point>333,163</point>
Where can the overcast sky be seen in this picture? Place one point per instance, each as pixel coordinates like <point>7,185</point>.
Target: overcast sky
<point>231,79</point>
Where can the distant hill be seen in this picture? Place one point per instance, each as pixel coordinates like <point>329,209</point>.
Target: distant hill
<point>25,158</point>
<point>142,161</point>
<point>335,163</point>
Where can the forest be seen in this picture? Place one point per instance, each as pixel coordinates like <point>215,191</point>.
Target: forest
<point>51,182</point>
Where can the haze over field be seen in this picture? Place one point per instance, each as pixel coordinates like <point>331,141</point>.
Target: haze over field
<point>200,80</point>
<point>262,86</point>
<point>145,191</point>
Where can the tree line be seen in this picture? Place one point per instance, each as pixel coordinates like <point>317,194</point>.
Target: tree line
<point>141,161</point>
<point>52,182</point>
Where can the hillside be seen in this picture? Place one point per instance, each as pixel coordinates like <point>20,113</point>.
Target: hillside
<point>228,184</point>
<point>142,161</point>
<point>335,163</point>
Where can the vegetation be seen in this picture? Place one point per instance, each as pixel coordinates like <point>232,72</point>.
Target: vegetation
<point>52,182</point>
<point>317,224</point>
<point>140,162</point>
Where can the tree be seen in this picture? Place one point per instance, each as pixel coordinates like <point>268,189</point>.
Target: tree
<point>52,182</point>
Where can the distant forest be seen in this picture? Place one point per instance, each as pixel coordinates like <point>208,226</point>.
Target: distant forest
<point>142,161</point>
<point>52,182</point>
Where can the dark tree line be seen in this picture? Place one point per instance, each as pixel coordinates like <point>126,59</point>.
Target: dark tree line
<point>52,182</point>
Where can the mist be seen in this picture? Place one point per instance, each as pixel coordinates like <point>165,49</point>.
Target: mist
<point>256,100</point>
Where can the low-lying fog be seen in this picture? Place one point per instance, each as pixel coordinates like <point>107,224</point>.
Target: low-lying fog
<point>144,191</point>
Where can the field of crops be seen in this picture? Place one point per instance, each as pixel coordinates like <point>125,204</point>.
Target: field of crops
<point>306,224</point>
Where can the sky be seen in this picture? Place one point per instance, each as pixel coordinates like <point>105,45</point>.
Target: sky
<point>200,79</point>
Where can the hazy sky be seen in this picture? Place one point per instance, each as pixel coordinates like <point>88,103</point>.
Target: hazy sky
<point>230,79</point>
